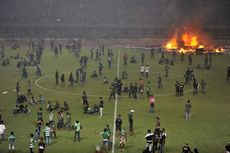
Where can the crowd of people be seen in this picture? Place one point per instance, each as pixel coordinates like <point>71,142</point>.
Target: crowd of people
<point>46,130</point>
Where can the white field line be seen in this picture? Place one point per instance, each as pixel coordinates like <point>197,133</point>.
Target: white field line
<point>90,95</point>
<point>115,107</point>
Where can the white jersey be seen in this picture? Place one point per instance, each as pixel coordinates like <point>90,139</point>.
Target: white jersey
<point>31,143</point>
<point>142,69</point>
<point>2,128</point>
<point>147,69</point>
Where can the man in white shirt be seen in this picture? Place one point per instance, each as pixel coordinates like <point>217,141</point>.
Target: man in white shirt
<point>147,71</point>
<point>142,69</point>
<point>2,131</point>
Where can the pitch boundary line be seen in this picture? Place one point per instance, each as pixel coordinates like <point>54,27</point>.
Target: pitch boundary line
<point>91,95</point>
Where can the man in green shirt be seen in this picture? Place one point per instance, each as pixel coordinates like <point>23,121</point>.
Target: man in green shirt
<point>105,139</point>
<point>11,139</point>
<point>77,128</point>
<point>130,117</point>
<point>148,89</point>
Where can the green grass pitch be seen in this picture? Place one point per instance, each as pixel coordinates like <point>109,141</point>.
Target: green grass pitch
<point>208,129</point>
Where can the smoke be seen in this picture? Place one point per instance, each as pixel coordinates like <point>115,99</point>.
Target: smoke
<point>182,12</point>
<point>187,16</point>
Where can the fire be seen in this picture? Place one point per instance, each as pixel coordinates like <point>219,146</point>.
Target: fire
<point>187,41</point>
<point>172,44</point>
<point>219,50</point>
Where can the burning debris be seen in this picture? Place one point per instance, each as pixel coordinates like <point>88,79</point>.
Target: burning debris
<point>187,40</point>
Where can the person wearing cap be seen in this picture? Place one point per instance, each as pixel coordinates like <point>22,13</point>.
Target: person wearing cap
<point>130,116</point>
<point>101,105</point>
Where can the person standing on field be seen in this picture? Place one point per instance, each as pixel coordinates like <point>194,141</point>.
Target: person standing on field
<point>41,146</point>
<point>77,128</point>
<point>118,123</point>
<point>31,143</point>
<point>11,139</point>
<point>101,105</point>
<point>188,107</point>
<point>130,116</point>
<point>56,77</point>
<point>47,133</point>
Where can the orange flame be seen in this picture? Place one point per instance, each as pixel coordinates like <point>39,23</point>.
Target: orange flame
<point>172,44</point>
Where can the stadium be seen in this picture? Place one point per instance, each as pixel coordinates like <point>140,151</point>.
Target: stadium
<point>109,76</point>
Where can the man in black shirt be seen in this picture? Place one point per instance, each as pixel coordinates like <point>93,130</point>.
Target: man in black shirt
<point>228,73</point>
<point>186,149</point>
<point>56,76</point>
<point>195,87</point>
<point>162,140</point>
<point>118,123</point>
<point>227,148</point>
